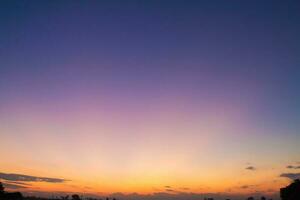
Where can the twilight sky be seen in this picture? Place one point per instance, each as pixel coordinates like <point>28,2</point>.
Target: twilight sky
<point>153,97</point>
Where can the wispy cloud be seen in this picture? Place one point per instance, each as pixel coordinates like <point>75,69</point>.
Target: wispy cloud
<point>14,186</point>
<point>291,176</point>
<point>184,188</point>
<point>17,182</point>
<point>252,168</point>
<point>27,178</point>
<point>292,167</point>
<point>244,187</point>
<point>170,190</point>
<point>247,186</point>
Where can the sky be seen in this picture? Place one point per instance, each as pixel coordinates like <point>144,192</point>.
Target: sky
<point>149,99</point>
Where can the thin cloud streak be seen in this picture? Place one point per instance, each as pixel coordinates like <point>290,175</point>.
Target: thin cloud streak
<point>291,176</point>
<point>252,168</point>
<point>14,186</point>
<point>292,167</point>
<point>27,178</point>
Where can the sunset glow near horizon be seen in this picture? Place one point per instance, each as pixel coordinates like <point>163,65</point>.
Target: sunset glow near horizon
<point>149,97</point>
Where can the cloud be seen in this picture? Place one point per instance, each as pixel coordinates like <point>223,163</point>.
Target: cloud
<point>292,167</point>
<point>247,186</point>
<point>252,168</point>
<point>291,176</point>
<point>170,190</point>
<point>14,186</point>
<point>17,182</point>
<point>27,178</point>
<point>184,188</point>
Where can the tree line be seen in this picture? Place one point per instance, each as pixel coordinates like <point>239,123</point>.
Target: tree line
<point>290,192</point>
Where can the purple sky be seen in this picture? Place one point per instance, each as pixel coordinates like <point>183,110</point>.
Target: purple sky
<point>181,93</point>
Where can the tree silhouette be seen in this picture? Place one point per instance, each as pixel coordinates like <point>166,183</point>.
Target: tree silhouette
<point>13,196</point>
<point>1,188</point>
<point>65,197</point>
<point>75,197</point>
<point>291,192</point>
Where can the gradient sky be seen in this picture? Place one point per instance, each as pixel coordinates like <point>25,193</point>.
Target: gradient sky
<point>150,96</point>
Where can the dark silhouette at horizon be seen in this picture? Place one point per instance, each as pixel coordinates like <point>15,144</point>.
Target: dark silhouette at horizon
<point>9,195</point>
<point>290,192</point>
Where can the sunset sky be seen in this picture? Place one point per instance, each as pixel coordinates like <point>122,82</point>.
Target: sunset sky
<point>149,97</point>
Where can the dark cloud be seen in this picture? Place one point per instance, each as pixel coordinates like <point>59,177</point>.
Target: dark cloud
<point>291,176</point>
<point>170,190</point>
<point>167,186</point>
<point>247,186</point>
<point>27,178</point>
<point>292,167</point>
<point>244,187</point>
<point>17,182</point>
<point>251,168</point>
<point>13,186</point>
